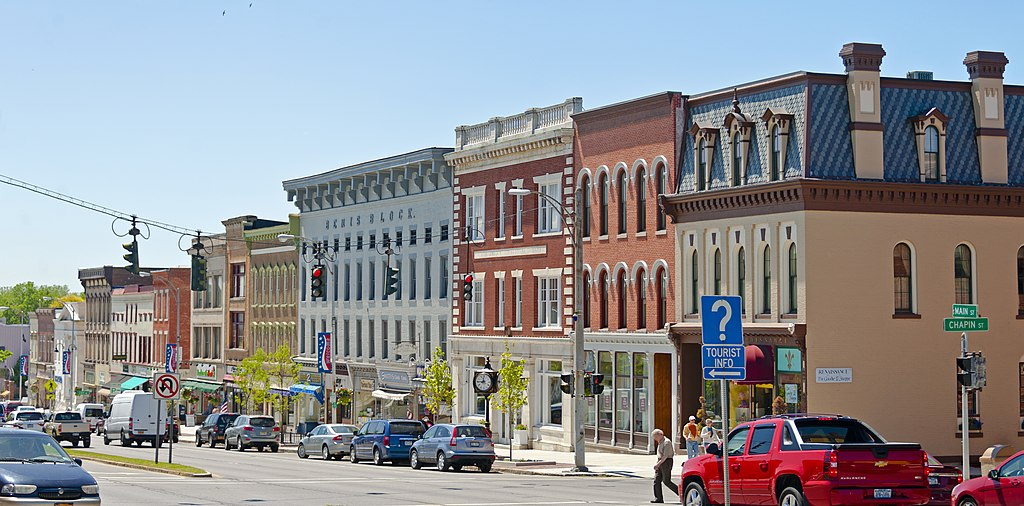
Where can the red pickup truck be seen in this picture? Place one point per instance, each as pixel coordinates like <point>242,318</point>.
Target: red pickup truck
<point>798,460</point>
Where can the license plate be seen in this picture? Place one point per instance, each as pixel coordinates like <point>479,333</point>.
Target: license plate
<point>63,504</point>
<point>407,443</point>
<point>474,444</point>
<point>933,482</point>
<point>883,493</point>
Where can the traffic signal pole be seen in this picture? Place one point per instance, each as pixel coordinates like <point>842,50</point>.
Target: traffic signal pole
<point>963,416</point>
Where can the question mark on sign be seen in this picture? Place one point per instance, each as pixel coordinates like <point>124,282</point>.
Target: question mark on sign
<point>721,303</point>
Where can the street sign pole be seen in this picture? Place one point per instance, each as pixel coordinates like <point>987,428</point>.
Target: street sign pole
<point>723,357</point>
<point>725,435</point>
<point>156,442</point>
<point>963,416</point>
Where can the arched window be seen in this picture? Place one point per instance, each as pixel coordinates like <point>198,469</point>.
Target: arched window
<point>931,154</point>
<point>602,184</point>
<point>902,276</point>
<point>702,165</point>
<point>662,289</point>
<point>621,284</point>
<point>792,279</point>
<point>737,159</point>
<point>766,282</point>
<point>641,200</point>
<point>585,190</point>
<point>741,278</point>
<point>621,184</point>
<point>694,285</point>
<point>1020,282</point>
<point>586,299</point>
<point>776,160</point>
<point>641,299</point>
<point>963,272</point>
<point>602,282</point>
<point>718,272</point>
<point>662,188</point>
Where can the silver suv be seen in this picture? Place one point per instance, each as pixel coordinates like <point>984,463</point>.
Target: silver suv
<point>253,431</point>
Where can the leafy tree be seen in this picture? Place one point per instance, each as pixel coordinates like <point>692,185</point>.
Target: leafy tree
<point>25,298</point>
<point>438,388</point>
<point>283,371</point>
<point>252,379</point>
<point>511,395</point>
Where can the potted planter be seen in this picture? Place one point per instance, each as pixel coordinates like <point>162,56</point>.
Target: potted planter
<point>522,436</point>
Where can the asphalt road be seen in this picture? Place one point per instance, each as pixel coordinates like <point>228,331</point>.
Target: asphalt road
<point>267,478</point>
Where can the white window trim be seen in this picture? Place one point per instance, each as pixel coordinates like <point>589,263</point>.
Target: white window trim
<point>468,194</point>
<point>502,203</point>
<point>543,305</point>
<point>517,297</point>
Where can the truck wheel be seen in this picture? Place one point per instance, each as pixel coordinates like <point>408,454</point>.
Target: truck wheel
<point>792,497</point>
<point>695,495</point>
<point>106,438</point>
<point>74,443</point>
<point>124,440</point>
<point>87,442</point>
<point>485,467</point>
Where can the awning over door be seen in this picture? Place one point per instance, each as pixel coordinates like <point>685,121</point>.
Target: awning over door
<point>304,388</point>
<point>201,386</point>
<point>132,382</point>
<point>390,396</point>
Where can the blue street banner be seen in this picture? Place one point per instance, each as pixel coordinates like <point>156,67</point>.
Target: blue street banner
<point>66,356</point>
<point>24,365</point>
<point>323,352</point>
<point>171,358</point>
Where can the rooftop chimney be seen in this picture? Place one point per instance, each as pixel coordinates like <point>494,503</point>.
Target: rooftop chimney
<point>863,75</point>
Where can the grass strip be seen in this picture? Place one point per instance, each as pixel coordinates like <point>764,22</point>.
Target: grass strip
<point>141,463</point>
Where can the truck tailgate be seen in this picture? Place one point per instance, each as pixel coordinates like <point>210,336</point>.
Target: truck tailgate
<point>889,465</point>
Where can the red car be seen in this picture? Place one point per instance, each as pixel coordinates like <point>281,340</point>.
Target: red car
<point>1004,486</point>
<point>941,481</point>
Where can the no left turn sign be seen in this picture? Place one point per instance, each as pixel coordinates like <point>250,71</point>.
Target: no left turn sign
<point>166,386</point>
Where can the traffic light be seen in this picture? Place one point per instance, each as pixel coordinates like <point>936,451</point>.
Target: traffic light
<point>595,384</point>
<point>567,380</point>
<point>132,257</point>
<point>965,374</point>
<point>199,273</point>
<point>467,287</point>
<point>316,282</point>
<point>980,371</point>
<point>394,279</point>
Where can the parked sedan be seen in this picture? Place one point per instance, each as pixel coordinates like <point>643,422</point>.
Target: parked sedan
<point>941,480</point>
<point>450,446</point>
<point>253,431</point>
<point>34,469</point>
<point>331,440</point>
<point>1004,486</point>
<point>30,420</point>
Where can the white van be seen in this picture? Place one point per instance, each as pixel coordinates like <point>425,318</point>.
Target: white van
<point>91,412</point>
<point>133,419</point>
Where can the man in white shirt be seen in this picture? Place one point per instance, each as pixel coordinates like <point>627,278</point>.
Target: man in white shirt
<point>663,469</point>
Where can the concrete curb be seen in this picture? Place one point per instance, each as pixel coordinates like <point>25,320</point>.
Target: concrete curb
<point>147,468</point>
<point>566,472</point>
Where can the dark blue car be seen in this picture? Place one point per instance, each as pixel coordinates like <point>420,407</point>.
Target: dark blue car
<point>385,440</point>
<point>34,469</point>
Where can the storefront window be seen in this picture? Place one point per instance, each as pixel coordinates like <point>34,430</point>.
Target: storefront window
<point>554,393</point>
<point>589,366</point>
<point>623,391</point>
<point>604,409</point>
<point>641,389</point>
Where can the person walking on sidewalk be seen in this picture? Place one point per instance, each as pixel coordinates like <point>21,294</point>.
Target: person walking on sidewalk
<point>709,435</point>
<point>691,432</point>
<point>663,469</point>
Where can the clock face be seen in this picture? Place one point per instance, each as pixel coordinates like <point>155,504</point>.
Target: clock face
<point>483,382</point>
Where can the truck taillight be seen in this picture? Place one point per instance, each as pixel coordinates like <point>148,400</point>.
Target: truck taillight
<point>831,464</point>
<point>387,440</point>
<point>927,468</point>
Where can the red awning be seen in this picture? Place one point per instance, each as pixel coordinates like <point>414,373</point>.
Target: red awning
<point>760,360</point>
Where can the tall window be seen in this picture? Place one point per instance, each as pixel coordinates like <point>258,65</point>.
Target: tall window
<point>499,288</point>
<point>718,272</point>
<point>237,280</point>
<point>702,165</point>
<point>641,299</point>
<point>501,214</point>
<point>517,223</point>
<point>517,301</point>
<point>741,279</point>
<point>931,154</point>
<point>602,184</point>
<point>444,287</point>
<point>412,279</point>
<point>776,159</point>
<point>621,184</point>
<point>1020,281</point>
<point>621,285</point>
<point>474,217</point>
<point>694,285</point>
<point>737,159</point>
<point>550,216</point>
<point>641,200</point>
<point>475,308</point>
<point>585,190</point>
<point>348,282</point>
<point>662,188</point>
<point>902,273</point>
<point>766,282</point>
<point>547,307</point>
<point>602,282</point>
<point>792,279</point>
<point>359,281</point>
<point>662,290</point>
<point>237,329</point>
<point>586,300</point>
<point>963,271</point>
<point>428,278</point>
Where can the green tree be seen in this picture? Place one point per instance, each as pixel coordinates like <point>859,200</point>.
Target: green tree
<point>437,387</point>
<point>252,379</point>
<point>511,395</point>
<point>25,298</point>
<point>282,370</point>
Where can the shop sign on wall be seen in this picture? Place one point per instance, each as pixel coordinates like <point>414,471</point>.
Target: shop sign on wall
<point>834,375</point>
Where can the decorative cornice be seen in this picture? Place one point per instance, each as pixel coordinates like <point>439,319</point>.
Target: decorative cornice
<point>850,196</point>
<point>861,56</point>
<point>985,64</point>
<point>550,140</point>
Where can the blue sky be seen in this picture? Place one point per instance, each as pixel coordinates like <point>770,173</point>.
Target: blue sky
<point>194,112</point>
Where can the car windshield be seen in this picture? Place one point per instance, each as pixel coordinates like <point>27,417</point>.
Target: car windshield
<point>68,417</point>
<point>263,421</point>
<point>835,431</point>
<point>470,431</point>
<point>29,416</point>
<point>25,448</point>
<point>412,428</point>
<point>94,412</point>
<point>344,429</point>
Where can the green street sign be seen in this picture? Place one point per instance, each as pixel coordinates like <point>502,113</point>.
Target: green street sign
<point>965,324</point>
<point>965,310</point>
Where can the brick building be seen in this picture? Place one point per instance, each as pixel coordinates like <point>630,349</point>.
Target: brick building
<point>172,317</point>
<point>41,358</point>
<point>626,154</point>
<point>520,257</point>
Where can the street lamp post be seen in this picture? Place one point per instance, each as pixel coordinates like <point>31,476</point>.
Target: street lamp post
<point>569,221</point>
